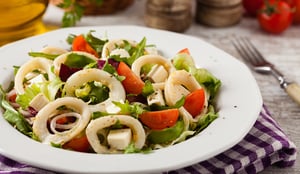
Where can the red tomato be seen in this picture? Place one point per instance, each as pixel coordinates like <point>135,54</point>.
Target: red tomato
<point>160,119</point>
<point>275,17</point>
<point>185,50</point>
<point>132,83</point>
<point>80,144</point>
<point>295,5</point>
<point>194,102</point>
<point>252,6</point>
<point>80,44</point>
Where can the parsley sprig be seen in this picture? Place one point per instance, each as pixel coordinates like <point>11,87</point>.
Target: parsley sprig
<point>74,11</point>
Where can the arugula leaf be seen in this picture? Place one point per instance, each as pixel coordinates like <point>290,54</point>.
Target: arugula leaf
<point>41,54</point>
<point>93,93</point>
<point>77,61</point>
<point>14,117</point>
<point>70,38</point>
<point>95,42</point>
<point>137,52</point>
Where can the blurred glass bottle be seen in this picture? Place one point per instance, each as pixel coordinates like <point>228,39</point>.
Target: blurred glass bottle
<point>20,19</point>
<point>173,15</point>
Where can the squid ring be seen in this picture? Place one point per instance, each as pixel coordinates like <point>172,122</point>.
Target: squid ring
<point>116,93</point>
<point>111,45</point>
<point>62,58</point>
<point>31,65</point>
<point>152,59</point>
<point>53,50</point>
<point>40,127</point>
<point>179,84</point>
<point>139,136</point>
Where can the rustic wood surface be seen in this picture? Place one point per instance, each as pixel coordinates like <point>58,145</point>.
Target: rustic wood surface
<point>282,50</point>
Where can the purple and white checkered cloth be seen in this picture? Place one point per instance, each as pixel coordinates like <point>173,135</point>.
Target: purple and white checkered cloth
<point>265,145</point>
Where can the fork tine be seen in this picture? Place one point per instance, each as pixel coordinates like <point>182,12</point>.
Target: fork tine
<point>259,59</point>
<point>241,48</point>
<point>248,51</point>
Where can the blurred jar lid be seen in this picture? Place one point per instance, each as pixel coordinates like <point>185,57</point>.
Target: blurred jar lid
<point>219,13</point>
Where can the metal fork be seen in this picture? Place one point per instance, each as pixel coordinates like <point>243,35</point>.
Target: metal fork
<point>259,64</point>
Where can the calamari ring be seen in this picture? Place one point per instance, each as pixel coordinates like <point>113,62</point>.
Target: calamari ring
<point>53,50</point>
<point>152,59</point>
<point>116,90</point>
<point>40,128</point>
<point>98,124</point>
<point>62,58</point>
<point>111,45</point>
<point>179,84</point>
<point>31,65</point>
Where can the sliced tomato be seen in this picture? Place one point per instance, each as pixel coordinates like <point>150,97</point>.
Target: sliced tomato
<point>185,50</point>
<point>80,44</point>
<point>194,102</point>
<point>132,83</point>
<point>160,119</point>
<point>13,98</point>
<point>80,144</point>
<point>63,120</point>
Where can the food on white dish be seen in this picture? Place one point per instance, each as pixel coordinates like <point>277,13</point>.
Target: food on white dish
<point>102,96</point>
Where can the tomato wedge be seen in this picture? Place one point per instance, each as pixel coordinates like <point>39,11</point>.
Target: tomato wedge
<point>185,50</point>
<point>80,144</point>
<point>160,119</point>
<point>132,83</point>
<point>80,44</point>
<point>194,102</point>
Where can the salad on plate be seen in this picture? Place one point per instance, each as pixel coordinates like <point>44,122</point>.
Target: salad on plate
<point>110,96</point>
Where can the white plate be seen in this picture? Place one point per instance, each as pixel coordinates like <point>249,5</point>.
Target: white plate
<point>239,104</point>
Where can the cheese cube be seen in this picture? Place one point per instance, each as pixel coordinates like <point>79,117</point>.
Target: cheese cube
<point>39,101</point>
<point>158,74</point>
<point>119,138</point>
<point>156,98</point>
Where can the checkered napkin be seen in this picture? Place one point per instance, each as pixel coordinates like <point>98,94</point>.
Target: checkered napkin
<point>265,145</point>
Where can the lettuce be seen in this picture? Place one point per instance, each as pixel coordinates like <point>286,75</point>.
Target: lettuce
<point>48,88</point>
<point>14,117</point>
<point>206,119</point>
<point>183,61</point>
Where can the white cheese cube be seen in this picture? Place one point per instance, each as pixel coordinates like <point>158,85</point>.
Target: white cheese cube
<point>119,138</point>
<point>156,98</point>
<point>158,74</point>
<point>152,50</point>
<point>120,51</point>
<point>37,79</point>
<point>39,101</point>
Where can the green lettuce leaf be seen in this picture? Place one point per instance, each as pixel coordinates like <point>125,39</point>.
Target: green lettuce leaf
<point>30,92</point>
<point>14,117</point>
<point>184,61</point>
<point>78,61</point>
<point>206,119</point>
<point>48,88</point>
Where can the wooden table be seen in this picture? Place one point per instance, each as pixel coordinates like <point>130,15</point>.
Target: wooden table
<point>282,50</point>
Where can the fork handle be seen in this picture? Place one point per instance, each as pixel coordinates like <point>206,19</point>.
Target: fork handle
<point>293,90</point>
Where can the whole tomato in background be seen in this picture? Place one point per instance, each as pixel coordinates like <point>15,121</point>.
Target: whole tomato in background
<point>295,5</point>
<point>252,6</point>
<point>275,16</point>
